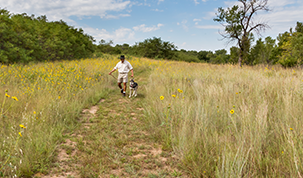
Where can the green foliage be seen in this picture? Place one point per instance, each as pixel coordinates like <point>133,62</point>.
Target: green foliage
<point>155,48</point>
<point>291,47</point>
<point>238,23</point>
<point>234,55</point>
<point>263,52</point>
<point>26,38</point>
<point>203,55</point>
<point>186,56</point>
<point>219,57</point>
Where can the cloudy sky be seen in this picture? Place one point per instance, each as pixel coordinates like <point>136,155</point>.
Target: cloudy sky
<point>187,23</point>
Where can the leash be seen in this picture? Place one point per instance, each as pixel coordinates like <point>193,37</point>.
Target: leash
<point>113,76</point>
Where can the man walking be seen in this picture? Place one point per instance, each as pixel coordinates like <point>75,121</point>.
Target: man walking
<point>123,68</point>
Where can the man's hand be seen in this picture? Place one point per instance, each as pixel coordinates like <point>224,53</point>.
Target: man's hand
<point>110,73</point>
<point>132,75</point>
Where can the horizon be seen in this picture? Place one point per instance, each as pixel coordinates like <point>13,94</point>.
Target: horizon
<point>187,24</point>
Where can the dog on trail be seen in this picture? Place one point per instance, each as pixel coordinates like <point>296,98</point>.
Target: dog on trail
<point>133,87</point>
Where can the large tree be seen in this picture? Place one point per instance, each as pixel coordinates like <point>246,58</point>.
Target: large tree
<point>240,24</point>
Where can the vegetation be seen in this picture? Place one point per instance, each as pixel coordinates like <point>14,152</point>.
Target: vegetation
<point>203,117</point>
<point>239,24</point>
<point>40,102</point>
<point>191,118</point>
<point>285,50</point>
<point>26,38</point>
<point>224,121</point>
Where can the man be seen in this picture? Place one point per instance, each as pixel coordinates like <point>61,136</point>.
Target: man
<point>123,68</point>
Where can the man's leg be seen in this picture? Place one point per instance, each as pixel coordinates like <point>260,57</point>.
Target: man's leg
<point>124,87</point>
<point>120,86</point>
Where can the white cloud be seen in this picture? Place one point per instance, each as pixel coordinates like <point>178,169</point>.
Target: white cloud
<point>63,9</point>
<point>116,16</point>
<point>196,20</point>
<point>159,1</point>
<point>157,10</point>
<point>210,27</point>
<point>183,45</point>
<point>119,35</point>
<point>283,15</point>
<point>143,28</point>
<point>183,23</point>
<point>196,2</point>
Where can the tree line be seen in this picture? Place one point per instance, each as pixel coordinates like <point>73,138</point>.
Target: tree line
<point>286,49</point>
<point>25,38</point>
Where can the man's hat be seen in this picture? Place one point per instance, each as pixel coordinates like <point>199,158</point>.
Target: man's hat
<point>122,57</point>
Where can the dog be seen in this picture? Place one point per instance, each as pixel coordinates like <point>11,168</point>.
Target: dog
<point>133,87</point>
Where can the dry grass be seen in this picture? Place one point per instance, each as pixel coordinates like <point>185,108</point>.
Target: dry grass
<point>213,120</point>
<point>49,98</point>
<point>260,139</point>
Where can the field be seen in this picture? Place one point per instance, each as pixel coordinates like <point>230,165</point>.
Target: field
<point>206,120</point>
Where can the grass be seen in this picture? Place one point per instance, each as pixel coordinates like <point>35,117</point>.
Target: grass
<point>229,122</point>
<point>119,143</point>
<point>189,120</point>
<point>50,97</point>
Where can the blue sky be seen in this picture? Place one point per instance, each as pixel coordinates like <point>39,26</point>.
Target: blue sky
<point>186,23</point>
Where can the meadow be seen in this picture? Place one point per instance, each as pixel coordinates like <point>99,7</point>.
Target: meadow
<point>219,120</point>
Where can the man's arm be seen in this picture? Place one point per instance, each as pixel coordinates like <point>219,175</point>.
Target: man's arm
<point>112,71</point>
<point>132,72</point>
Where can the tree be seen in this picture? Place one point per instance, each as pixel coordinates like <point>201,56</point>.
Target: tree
<point>26,38</point>
<point>155,48</point>
<point>202,55</point>
<point>219,57</point>
<point>239,23</point>
<point>291,45</point>
<point>262,52</point>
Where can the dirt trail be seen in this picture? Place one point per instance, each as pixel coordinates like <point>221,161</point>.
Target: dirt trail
<point>114,140</point>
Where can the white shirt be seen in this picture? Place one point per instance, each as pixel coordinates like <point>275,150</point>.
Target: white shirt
<point>124,67</point>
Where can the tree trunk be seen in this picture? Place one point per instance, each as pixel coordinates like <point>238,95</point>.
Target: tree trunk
<point>240,59</point>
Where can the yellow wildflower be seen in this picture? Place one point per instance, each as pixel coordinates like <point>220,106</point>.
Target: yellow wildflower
<point>15,98</point>
<point>7,95</point>
<point>20,134</point>
<point>291,129</point>
<point>232,111</point>
<point>161,97</point>
<point>180,91</point>
<point>22,126</point>
<point>59,97</point>
<point>173,96</point>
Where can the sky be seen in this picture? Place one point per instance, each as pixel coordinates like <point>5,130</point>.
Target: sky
<point>188,24</point>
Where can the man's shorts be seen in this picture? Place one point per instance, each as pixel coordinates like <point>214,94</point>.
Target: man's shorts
<point>122,78</point>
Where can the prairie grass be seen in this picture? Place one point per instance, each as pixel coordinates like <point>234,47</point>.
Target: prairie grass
<point>223,121</point>
<point>40,102</point>
<point>219,120</point>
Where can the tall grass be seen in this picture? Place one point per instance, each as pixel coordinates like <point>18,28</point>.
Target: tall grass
<point>223,121</point>
<point>46,99</point>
